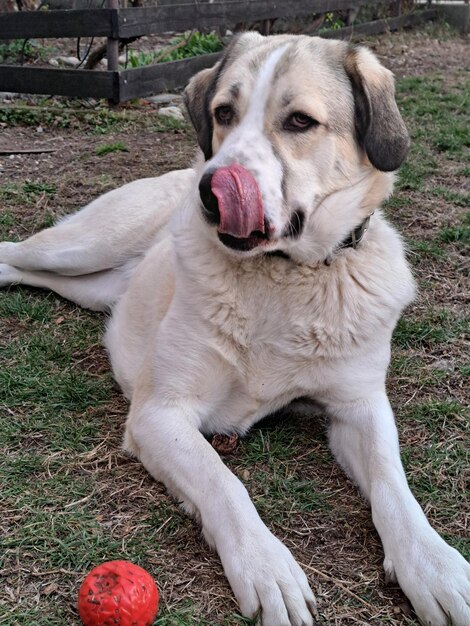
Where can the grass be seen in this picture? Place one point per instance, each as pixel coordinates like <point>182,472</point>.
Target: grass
<point>109,148</point>
<point>430,107</point>
<point>71,498</point>
<point>459,234</point>
<point>26,192</point>
<point>99,121</point>
<point>431,327</point>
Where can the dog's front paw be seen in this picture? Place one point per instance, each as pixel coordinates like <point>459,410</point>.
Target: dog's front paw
<point>9,275</point>
<point>267,581</point>
<point>436,580</point>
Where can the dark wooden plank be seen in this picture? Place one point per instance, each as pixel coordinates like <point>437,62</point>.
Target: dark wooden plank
<point>145,81</point>
<point>177,16</point>
<point>180,17</point>
<point>381,26</point>
<point>42,24</point>
<point>81,83</point>
<point>26,150</point>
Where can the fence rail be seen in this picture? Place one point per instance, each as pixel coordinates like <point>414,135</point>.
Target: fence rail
<point>122,23</point>
<point>114,23</point>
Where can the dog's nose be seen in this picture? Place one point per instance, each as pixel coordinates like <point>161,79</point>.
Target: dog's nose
<point>210,205</point>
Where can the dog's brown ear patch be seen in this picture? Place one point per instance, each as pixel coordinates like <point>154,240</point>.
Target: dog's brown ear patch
<point>380,128</point>
<point>196,98</point>
<point>199,93</point>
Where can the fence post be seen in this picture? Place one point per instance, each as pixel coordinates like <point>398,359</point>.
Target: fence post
<point>112,52</point>
<point>112,48</point>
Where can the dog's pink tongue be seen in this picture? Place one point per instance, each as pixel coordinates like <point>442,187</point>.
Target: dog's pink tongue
<point>239,199</point>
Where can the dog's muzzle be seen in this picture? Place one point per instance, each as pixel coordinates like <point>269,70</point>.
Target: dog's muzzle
<point>231,200</point>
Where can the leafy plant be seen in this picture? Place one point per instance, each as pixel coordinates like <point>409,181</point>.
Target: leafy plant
<point>38,188</point>
<point>332,22</point>
<point>14,49</point>
<point>195,45</point>
<point>141,58</point>
<point>27,49</point>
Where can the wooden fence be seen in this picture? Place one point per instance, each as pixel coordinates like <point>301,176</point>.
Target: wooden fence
<point>116,24</point>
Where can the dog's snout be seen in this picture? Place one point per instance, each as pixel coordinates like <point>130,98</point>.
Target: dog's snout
<point>210,205</point>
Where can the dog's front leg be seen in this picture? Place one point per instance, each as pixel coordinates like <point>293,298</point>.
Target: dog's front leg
<point>434,576</point>
<point>261,570</point>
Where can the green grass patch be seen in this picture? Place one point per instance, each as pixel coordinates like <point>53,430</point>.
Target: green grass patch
<point>417,168</point>
<point>36,188</point>
<point>14,115</point>
<point>396,201</point>
<point>185,617</point>
<point>433,327</point>
<point>457,234</point>
<point>437,413</point>
<point>276,484</point>
<point>97,122</point>
<point>452,142</point>
<point>25,193</point>
<point>449,195</point>
<point>7,221</point>
<point>415,371</point>
<point>23,305</point>
<point>438,116</point>
<point>465,369</point>
<point>423,250</point>
<point>109,148</point>
<point>173,617</point>
<point>428,97</point>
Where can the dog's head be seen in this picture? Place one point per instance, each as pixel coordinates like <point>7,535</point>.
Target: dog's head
<point>299,134</point>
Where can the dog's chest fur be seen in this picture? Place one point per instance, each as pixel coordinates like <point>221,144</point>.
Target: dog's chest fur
<point>280,324</point>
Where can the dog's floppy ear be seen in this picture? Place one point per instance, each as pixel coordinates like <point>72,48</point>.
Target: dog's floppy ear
<point>380,129</point>
<point>198,95</point>
<point>197,98</point>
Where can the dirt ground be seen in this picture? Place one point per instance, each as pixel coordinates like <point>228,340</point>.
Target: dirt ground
<point>342,553</point>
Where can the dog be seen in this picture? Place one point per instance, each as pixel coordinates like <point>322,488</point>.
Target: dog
<point>265,273</point>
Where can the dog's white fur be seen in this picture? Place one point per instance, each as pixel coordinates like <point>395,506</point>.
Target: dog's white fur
<point>204,339</point>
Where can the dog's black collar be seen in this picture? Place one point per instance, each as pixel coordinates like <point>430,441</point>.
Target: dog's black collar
<point>352,241</point>
<point>279,253</point>
<point>354,238</point>
<point>356,235</point>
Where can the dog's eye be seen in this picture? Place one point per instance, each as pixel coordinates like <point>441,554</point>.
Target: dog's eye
<point>298,122</point>
<point>224,114</point>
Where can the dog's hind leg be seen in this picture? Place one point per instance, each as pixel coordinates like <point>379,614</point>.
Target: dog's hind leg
<point>97,291</point>
<point>107,233</point>
<point>433,575</point>
<point>80,244</point>
<point>49,252</point>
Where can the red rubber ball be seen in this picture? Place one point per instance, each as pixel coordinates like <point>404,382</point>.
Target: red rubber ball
<point>118,593</point>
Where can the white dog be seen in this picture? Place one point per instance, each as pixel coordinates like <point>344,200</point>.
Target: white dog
<point>276,277</point>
